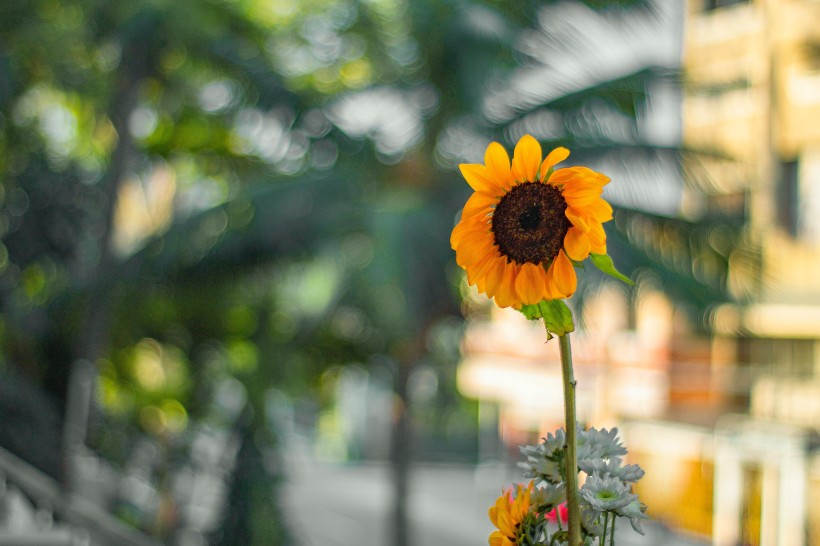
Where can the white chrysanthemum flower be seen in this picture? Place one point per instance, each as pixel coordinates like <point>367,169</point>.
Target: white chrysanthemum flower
<point>590,521</point>
<point>554,445</point>
<point>547,497</point>
<point>540,468</point>
<point>635,511</point>
<point>600,466</point>
<point>605,494</point>
<point>611,467</point>
<point>544,461</point>
<point>631,473</point>
<point>603,444</point>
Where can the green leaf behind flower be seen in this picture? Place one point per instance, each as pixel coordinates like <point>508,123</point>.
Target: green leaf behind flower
<point>605,264</point>
<point>557,316</point>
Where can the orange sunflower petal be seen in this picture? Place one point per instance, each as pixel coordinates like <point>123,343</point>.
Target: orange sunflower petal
<point>526,159</point>
<point>482,179</point>
<point>599,178</point>
<point>577,218</point>
<point>475,273</point>
<point>581,193</point>
<point>505,295</point>
<point>471,252</point>
<point>530,285</point>
<point>505,523</point>
<point>576,244</point>
<point>498,165</point>
<point>564,275</point>
<point>487,272</point>
<point>497,539</point>
<point>597,238</point>
<point>501,503</point>
<point>553,158</point>
<point>493,514</point>
<point>598,248</point>
<point>586,172</point>
<point>522,502</point>
<point>491,276</point>
<point>469,230</point>
<point>552,288</point>
<point>479,204</point>
<point>599,210</point>
<point>573,175</point>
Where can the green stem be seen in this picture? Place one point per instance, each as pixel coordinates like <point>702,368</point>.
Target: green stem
<point>603,535</point>
<point>612,531</point>
<point>571,462</point>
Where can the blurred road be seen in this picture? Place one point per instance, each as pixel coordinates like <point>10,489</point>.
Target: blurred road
<point>350,505</point>
<point>332,505</point>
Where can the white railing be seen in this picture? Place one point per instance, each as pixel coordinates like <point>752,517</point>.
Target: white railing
<point>40,512</point>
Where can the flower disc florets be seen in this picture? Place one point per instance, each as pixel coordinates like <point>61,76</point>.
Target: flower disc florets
<point>529,223</point>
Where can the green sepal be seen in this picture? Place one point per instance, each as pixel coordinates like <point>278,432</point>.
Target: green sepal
<point>605,264</point>
<point>548,174</point>
<point>557,316</point>
<point>559,537</point>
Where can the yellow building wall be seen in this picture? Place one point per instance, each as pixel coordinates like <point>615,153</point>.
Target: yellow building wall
<point>677,491</point>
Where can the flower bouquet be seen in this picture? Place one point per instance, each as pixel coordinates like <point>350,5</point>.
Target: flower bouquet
<point>523,233</point>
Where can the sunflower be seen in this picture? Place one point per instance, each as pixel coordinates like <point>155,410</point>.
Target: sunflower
<point>508,515</point>
<point>527,224</point>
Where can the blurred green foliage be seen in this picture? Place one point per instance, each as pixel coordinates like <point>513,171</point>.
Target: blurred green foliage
<point>262,189</point>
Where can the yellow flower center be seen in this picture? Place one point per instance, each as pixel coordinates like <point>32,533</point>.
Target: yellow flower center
<point>529,224</point>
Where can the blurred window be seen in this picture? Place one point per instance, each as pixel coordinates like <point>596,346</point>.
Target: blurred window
<point>787,357</point>
<point>710,5</point>
<point>787,196</point>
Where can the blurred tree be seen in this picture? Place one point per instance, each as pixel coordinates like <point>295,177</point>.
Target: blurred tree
<point>594,76</point>
<point>195,189</point>
<point>117,121</point>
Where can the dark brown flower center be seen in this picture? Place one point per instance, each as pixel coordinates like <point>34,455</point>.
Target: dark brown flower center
<point>529,223</point>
